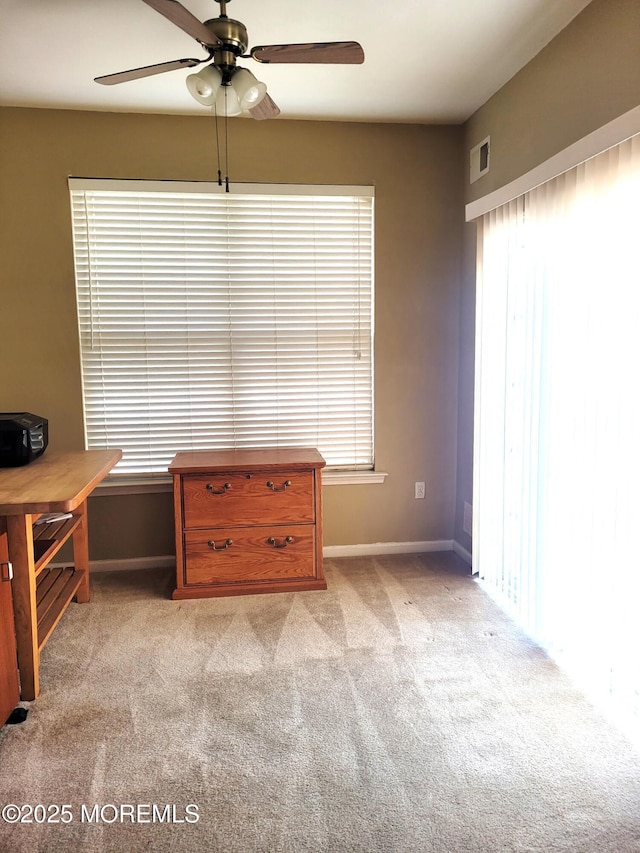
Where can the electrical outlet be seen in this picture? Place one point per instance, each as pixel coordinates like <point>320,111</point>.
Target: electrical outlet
<point>467,522</point>
<point>419,490</point>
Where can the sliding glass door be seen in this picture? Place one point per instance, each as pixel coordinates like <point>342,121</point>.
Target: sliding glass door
<point>557,429</point>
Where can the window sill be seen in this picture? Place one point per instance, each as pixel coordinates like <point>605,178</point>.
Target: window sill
<point>353,478</point>
<point>122,486</point>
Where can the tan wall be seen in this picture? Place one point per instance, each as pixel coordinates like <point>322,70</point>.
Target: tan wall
<point>587,76</point>
<point>416,173</point>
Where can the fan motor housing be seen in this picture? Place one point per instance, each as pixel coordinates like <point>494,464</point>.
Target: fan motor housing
<point>232,34</point>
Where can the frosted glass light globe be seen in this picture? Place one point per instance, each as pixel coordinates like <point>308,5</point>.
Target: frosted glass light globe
<point>204,85</point>
<point>249,90</point>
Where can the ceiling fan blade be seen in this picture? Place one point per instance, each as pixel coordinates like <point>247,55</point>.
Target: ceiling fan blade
<point>183,19</point>
<point>267,108</point>
<point>146,71</point>
<point>337,52</point>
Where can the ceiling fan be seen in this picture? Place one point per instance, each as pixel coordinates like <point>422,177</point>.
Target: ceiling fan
<point>225,41</point>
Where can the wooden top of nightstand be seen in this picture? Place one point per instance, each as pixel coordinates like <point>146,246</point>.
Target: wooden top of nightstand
<point>257,458</point>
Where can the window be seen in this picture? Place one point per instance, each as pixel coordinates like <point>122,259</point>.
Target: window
<point>216,320</point>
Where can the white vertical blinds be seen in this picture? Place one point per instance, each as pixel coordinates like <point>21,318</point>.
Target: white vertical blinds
<point>216,320</point>
<point>557,455</point>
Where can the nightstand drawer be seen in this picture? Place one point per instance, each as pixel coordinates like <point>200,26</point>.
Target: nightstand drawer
<point>249,555</point>
<point>237,499</point>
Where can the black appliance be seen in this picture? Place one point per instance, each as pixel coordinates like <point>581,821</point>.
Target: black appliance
<point>23,437</point>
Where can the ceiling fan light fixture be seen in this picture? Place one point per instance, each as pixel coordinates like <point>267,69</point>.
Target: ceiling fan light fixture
<point>227,102</point>
<point>224,87</point>
<point>249,90</point>
<point>205,85</point>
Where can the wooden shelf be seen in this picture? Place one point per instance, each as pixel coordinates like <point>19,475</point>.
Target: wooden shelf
<point>48,538</point>
<point>54,590</point>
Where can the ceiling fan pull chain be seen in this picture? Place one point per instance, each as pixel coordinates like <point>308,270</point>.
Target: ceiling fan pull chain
<point>215,113</point>
<point>226,142</point>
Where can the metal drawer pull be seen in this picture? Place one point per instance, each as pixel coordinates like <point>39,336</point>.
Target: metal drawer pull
<point>224,547</point>
<point>285,485</point>
<point>287,541</point>
<point>218,491</point>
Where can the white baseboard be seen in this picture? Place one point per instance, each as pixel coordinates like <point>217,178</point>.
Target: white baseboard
<point>329,551</point>
<point>462,552</point>
<point>132,564</point>
<point>381,548</point>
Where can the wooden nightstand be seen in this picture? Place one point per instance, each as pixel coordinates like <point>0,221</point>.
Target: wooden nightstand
<point>247,521</point>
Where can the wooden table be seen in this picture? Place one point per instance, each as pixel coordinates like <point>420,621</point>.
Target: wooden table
<point>54,483</point>
<point>9,682</point>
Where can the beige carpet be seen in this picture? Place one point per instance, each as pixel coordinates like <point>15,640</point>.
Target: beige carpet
<point>397,711</point>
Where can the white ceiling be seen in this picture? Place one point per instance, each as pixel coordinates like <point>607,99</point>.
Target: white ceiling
<point>426,61</point>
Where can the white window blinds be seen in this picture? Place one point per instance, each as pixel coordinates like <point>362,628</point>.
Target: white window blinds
<point>216,320</point>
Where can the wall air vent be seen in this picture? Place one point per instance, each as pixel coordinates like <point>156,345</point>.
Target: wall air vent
<point>480,159</point>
